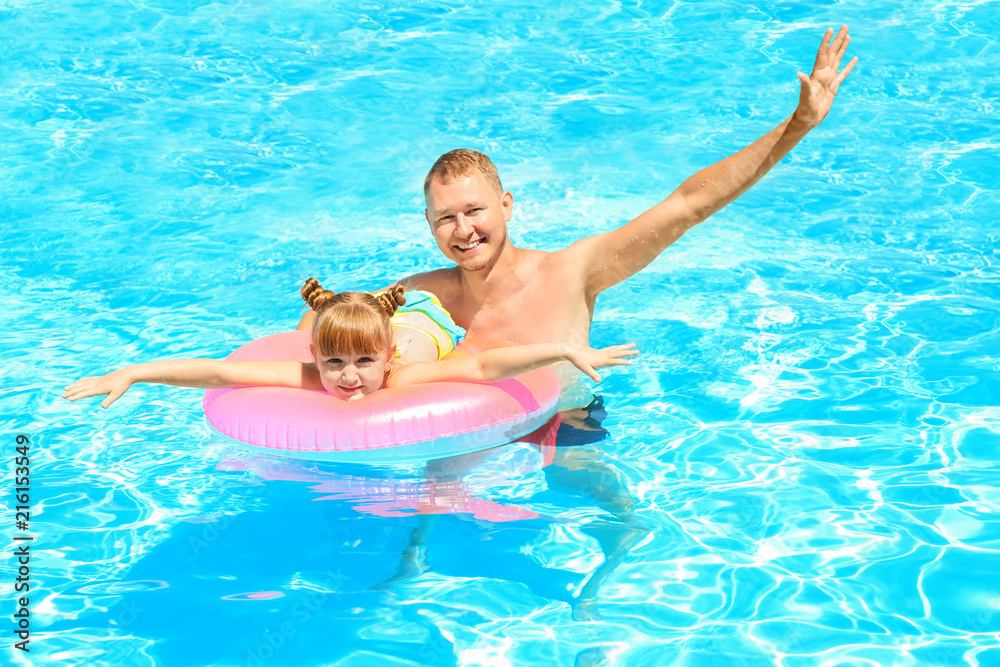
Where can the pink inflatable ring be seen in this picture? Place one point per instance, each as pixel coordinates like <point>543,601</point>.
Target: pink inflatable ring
<point>415,422</point>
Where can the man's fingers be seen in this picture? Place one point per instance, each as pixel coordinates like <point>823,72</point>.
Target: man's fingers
<point>825,44</point>
<point>824,49</point>
<point>838,43</point>
<point>840,54</point>
<point>805,87</point>
<point>847,70</point>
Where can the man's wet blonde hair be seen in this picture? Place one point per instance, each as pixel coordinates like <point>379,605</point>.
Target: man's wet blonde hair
<point>460,163</point>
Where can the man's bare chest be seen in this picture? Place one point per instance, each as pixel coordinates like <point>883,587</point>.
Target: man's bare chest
<point>528,315</point>
<point>544,306</point>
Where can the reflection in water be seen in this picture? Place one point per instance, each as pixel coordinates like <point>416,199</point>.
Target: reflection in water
<point>566,452</point>
<point>258,595</point>
<point>454,485</point>
<point>574,467</point>
<point>577,469</point>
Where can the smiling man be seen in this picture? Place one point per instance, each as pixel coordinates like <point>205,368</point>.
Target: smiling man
<point>497,290</point>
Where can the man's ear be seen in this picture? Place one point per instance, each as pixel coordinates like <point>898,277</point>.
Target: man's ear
<point>507,202</point>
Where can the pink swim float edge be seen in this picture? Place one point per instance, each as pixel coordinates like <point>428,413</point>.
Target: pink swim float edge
<point>415,422</point>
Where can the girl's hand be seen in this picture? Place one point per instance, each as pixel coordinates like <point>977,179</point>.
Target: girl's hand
<point>588,358</point>
<point>113,384</point>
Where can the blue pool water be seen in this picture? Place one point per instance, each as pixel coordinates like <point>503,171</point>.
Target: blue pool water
<point>800,470</point>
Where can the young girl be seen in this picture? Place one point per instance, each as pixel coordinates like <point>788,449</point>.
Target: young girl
<point>359,347</point>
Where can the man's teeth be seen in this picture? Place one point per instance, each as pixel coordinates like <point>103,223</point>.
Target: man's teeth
<point>468,246</point>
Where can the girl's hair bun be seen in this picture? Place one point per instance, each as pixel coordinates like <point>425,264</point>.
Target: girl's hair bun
<point>392,299</point>
<point>314,294</point>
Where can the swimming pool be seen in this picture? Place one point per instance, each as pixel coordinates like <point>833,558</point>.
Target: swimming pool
<point>801,470</point>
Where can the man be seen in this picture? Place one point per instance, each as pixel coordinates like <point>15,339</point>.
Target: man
<point>499,291</point>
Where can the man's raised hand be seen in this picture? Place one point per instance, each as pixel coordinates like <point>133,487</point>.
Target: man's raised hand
<point>820,87</point>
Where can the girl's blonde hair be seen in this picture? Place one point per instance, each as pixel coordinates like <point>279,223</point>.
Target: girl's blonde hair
<point>352,322</point>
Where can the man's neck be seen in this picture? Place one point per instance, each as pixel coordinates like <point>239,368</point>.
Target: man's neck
<point>480,285</point>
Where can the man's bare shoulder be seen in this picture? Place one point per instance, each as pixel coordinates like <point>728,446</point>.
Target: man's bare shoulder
<point>432,281</point>
<point>532,258</point>
<point>569,260</point>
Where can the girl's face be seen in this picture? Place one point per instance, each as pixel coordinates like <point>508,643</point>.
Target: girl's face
<point>352,376</point>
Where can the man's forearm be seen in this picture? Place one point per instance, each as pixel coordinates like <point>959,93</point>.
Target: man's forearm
<point>614,256</point>
<point>715,186</point>
<point>628,249</point>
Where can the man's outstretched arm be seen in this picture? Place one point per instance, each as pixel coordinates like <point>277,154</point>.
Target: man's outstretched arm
<point>609,258</point>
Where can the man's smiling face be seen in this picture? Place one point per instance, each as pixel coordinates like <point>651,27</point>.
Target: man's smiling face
<point>468,218</point>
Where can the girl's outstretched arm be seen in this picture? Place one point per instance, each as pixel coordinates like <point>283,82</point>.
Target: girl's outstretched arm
<point>506,362</point>
<point>204,373</point>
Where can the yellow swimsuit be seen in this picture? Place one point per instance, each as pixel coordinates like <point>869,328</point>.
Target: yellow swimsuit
<point>414,315</point>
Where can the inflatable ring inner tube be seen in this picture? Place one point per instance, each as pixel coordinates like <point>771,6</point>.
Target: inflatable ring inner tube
<point>399,424</point>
